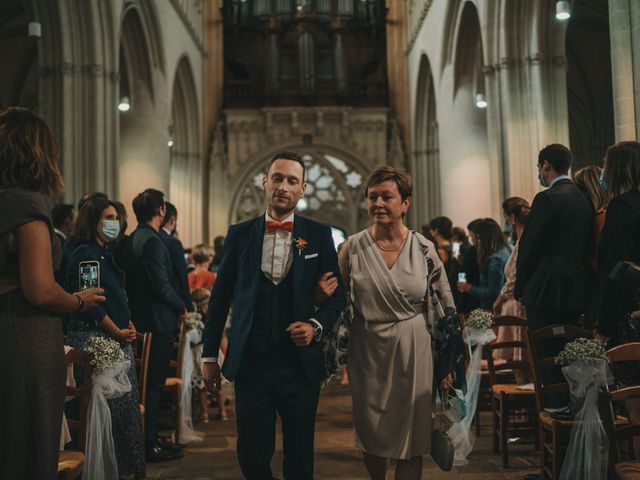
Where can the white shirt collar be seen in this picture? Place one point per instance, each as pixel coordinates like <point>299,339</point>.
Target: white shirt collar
<point>167,231</point>
<point>288,219</point>
<point>60,233</point>
<point>558,178</point>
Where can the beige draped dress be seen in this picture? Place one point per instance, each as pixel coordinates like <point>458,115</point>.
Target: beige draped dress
<point>390,359</point>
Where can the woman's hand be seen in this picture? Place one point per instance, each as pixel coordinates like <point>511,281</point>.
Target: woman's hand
<point>90,298</point>
<point>325,287</point>
<point>446,383</point>
<point>464,287</point>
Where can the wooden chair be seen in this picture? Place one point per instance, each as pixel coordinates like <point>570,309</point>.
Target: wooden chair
<point>619,429</point>
<point>71,462</point>
<point>553,433</point>
<point>509,402</point>
<point>173,385</point>
<point>142,349</point>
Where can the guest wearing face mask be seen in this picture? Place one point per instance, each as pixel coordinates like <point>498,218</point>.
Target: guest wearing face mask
<point>97,228</point>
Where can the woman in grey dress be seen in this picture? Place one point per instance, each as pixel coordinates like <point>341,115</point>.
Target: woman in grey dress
<point>32,363</point>
<point>388,270</point>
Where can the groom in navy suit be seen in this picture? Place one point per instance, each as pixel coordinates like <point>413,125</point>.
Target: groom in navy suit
<point>270,268</point>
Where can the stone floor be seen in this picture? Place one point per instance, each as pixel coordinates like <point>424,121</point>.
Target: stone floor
<point>336,456</point>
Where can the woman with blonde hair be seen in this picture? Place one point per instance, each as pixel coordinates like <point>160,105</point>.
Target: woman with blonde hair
<point>32,362</point>
<point>588,180</point>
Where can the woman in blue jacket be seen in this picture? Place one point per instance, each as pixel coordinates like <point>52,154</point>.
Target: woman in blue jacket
<point>493,253</point>
<point>98,226</point>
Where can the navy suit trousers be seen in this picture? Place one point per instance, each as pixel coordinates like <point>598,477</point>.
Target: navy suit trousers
<point>273,384</point>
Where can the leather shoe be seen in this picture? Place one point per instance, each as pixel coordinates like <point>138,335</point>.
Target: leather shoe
<point>159,454</point>
<point>169,445</point>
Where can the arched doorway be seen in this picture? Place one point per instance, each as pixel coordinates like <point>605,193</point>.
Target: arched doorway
<point>186,170</point>
<point>335,185</point>
<point>144,153</point>
<point>589,86</point>
<point>426,172</point>
<point>465,171</point>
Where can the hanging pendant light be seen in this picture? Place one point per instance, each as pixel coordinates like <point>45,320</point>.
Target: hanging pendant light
<point>563,10</point>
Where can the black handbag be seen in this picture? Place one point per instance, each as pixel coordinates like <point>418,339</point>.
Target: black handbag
<point>442,450</point>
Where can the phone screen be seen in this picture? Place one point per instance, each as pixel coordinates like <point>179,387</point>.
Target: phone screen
<point>462,277</point>
<point>89,276</point>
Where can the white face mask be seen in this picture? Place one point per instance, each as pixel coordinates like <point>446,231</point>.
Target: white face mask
<point>110,230</point>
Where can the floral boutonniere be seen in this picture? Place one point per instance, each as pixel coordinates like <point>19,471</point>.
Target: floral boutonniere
<point>300,244</point>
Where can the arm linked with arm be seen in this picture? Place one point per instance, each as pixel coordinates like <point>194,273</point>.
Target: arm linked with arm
<point>330,309</point>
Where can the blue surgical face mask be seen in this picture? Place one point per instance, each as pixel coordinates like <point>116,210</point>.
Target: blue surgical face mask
<point>541,180</point>
<point>603,182</point>
<point>110,230</point>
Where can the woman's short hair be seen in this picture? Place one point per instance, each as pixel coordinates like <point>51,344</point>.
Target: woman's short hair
<point>202,254</point>
<point>398,175</point>
<point>86,229</point>
<point>518,207</point>
<point>587,180</point>
<point>29,153</point>
<point>443,225</point>
<point>622,168</point>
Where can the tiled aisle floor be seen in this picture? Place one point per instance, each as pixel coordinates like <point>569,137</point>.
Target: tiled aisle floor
<point>336,457</point>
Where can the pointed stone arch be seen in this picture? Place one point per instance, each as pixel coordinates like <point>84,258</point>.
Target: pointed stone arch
<point>426,158</point>
<point>186,168</point>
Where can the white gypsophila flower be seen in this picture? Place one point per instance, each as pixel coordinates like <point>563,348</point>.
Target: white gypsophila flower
<point>479,319</point>
<point>104,353</point>
<point>194,320</point>
<point>580,349</point>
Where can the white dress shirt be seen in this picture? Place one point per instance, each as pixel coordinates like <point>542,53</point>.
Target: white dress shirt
<point>277,259</point>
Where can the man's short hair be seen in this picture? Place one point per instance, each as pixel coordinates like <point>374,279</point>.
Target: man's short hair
<point>443,225</point>
<point>171,211</point>
<point>60,213</point>
<point>147,204</point>
<point>558,156</point>
<point>288,155</point>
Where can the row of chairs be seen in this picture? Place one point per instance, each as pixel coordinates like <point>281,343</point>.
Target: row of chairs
<point>519,412</point>
<point>71,461</point>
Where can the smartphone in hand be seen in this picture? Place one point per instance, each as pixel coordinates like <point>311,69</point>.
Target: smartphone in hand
<point>462,277</point>
<point>88,275</point>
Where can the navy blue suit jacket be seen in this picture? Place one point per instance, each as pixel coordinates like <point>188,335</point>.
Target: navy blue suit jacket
<point>238,280</point>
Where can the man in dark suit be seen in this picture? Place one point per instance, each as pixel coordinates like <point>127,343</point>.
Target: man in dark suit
<point>550,269</point>
<point>270,267</point>
<point>176,252</point>
<point>63,216</point>
<point>155,307</point>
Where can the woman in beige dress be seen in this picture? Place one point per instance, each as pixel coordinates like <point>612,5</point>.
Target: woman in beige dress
<point>387,268</point>
<point>516,210</point>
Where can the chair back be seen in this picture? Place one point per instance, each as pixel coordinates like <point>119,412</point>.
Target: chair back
<point>507,366</point>
<point>178,346</point>
<point>538,363</point>
<point>83,393</point>
<point>142,349</point>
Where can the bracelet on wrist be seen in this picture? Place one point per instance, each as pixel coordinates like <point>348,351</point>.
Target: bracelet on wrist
<point>80,303</point>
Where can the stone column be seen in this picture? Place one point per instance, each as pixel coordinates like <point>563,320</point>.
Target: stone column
<point>625,35</point>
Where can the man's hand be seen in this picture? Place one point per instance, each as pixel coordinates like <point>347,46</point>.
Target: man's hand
<point>211,375</point>
<point>325,287</point>
<point>464,287</point>
<point>301,333</point>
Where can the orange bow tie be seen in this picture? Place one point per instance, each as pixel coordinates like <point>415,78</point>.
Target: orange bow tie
<point>275,226</point>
